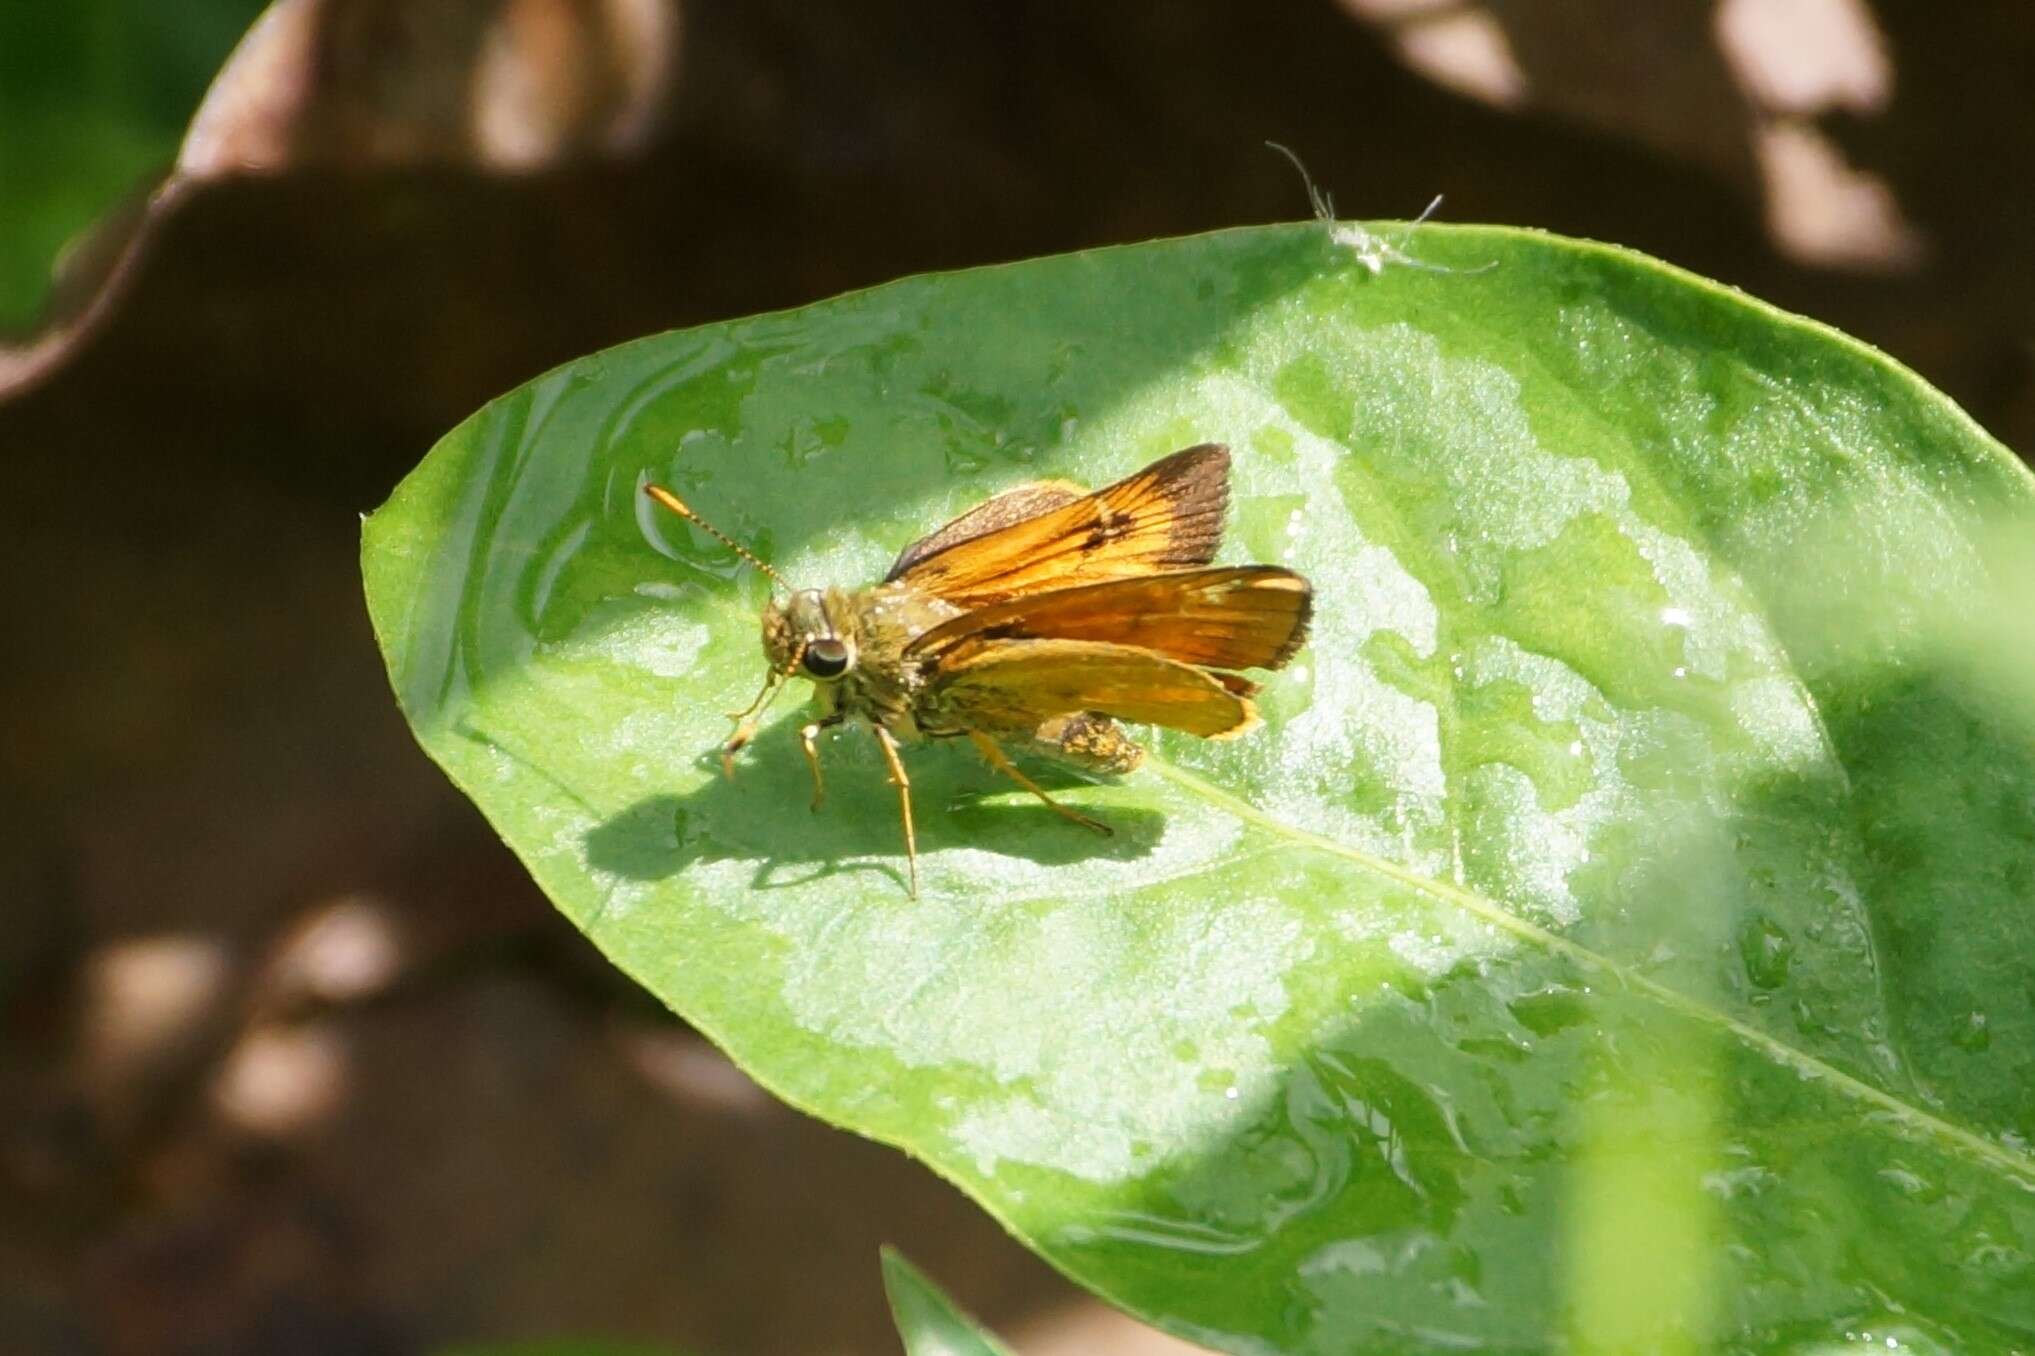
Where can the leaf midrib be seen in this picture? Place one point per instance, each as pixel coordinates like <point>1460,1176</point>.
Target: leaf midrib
<point>2019,1167</point>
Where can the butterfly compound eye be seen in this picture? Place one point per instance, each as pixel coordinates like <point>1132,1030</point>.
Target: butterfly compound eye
<point>825,659</point>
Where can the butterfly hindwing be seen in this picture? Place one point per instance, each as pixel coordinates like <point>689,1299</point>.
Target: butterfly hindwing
<point>1016,686</point>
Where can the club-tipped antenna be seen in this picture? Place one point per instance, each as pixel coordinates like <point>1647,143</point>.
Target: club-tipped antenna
<point>684,510</point>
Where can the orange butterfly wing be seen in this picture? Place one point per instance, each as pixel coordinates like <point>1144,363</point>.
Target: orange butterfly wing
<point>1225,617</point>
<point>1168,516</point>
<point>1013,505</point>
<point>1015,686</point>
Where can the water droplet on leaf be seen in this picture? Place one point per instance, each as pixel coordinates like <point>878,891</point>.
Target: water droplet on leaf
<point>1766,951</point>
<point>1971,1033</point>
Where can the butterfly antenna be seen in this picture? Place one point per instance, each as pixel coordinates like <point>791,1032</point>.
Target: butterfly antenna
<point>684,510</point>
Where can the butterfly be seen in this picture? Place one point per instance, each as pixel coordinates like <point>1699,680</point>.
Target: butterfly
<point>1043,617</point>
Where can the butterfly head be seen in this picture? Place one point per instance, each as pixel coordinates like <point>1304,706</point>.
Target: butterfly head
<point>800,637</point>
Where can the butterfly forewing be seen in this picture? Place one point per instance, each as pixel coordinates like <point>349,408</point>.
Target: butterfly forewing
<point>1169,516</point>
<point>1015,686</point>
<point>1225,617</point>
<point>1012,506</point>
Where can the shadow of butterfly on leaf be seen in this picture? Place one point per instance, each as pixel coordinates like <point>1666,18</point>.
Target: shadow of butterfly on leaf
<point>746,819</point>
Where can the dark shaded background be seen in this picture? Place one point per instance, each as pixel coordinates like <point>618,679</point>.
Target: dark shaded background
<point>292,1056</point>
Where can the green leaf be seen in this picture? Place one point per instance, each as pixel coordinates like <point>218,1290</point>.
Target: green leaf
<point>1615,939</point>
<point>930,1323</point>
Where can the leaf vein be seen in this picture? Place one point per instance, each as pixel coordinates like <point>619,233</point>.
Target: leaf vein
<point>2016,1166</point>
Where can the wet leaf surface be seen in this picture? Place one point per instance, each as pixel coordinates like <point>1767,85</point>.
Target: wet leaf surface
<point>1614,935</point>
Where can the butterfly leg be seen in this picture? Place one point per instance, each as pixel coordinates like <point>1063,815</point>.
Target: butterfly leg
<point>806,735</point>
<point>746,722</point>
<point>993,753</point>
<point>904,800</point>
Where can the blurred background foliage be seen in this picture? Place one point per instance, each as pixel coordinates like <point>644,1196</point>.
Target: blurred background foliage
<point>94,97</point>
<point>279,1018</point>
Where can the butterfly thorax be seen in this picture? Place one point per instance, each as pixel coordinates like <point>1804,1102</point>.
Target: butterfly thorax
<point>883,686</point>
